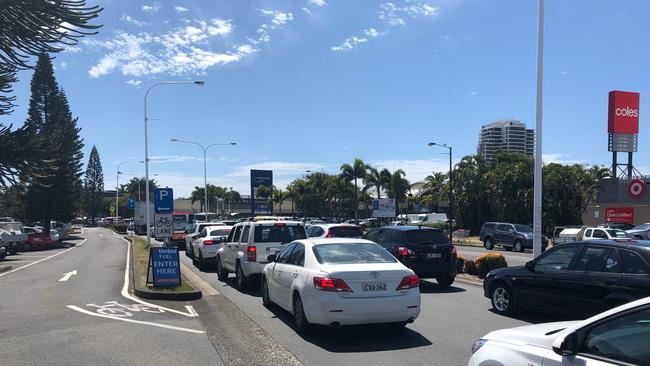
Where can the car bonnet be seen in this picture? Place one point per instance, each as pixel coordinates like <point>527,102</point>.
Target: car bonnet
<point>535,335</point>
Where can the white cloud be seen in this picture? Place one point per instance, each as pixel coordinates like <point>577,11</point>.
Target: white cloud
<point>130,19</point>
<point>559,158</point>
<point>306,10</point>
<point>180,9</point>
<point>134,82</point>
<point>318,3</point>
<point>173,158</point>
<point>279,168</point>
<point>72,49</point>
<point>152,8</point>
<point>372,32</point>
<point>473,93</point>
<point>63,65</point>
<point>349,44</point>
<point>278,18</point>
<point>564,73</point>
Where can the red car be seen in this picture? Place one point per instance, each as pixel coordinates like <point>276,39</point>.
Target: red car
<point>37,238</point>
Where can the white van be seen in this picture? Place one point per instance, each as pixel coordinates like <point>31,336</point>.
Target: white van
<point>245,252</point>
<point>429,218</point>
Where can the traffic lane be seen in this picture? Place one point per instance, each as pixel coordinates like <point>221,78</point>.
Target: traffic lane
<point>450,321</point>
<point>38,314</point>
<point>513,258</point>
<point>23,258</point>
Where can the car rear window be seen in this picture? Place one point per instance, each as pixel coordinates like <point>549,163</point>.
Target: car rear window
<point>426,237</point>
<point>346,232</point>
<point>220,232</point>
<point>279,233</point>
<point>615,233</point>
<point>346,253</point>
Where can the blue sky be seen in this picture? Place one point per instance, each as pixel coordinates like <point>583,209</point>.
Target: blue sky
<point>312,84</point>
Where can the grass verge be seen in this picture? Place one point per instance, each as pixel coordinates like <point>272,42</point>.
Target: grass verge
<point>142,262</point>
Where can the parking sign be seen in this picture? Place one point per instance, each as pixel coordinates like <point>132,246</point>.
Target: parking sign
<point>163,200</point>
<point>131,202</point>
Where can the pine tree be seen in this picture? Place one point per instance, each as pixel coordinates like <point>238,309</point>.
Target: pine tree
<point>93,185</point>
<point>56,192</point>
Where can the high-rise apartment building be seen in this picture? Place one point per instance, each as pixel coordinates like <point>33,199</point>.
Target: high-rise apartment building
<point>506,135</point>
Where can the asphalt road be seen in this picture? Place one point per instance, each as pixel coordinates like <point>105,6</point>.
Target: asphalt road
<point>50,318</point>
<point>451,320</point>
<point>513,258</point>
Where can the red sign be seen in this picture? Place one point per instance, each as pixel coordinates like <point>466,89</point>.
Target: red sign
<point>623,116</point>
<point>620,214</point>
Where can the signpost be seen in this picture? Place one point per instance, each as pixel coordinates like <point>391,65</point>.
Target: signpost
<point>164,267</point>
<point>163,226</point>
<point>163,200</point>
<point>384,207</point>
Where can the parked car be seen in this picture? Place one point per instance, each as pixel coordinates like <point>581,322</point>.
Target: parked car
<point>595,233</point>
<point>574,279</point>
<point>193,234</point>
<point>618,225</point>
<point>338,282</point>
<point>37,238</point>
<point>62,228</point>
<point>426,251</point>
<point>640,232</point>
<point>429,218</point>
<point>3,252</point>
<point>249,244</point>
<point>615,337</point>
<point>11,235</point>
<point>510,236</point>
<point>334,231</point>
<point>203,249</point>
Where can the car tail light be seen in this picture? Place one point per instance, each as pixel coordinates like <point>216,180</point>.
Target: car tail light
<point>251,254</point>
<point>331,284</point>
<point>329,233</point>
<point>210,242</point>
<point>404,251</point>
<point>280,224</point>
<point>409,282</point>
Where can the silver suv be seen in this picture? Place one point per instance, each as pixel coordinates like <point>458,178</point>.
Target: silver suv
<point>245,252</point>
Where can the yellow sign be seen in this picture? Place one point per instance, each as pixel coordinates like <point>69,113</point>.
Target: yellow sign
<point>112,209</point>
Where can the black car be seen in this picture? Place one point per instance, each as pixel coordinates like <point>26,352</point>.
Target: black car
<point>426,251</point>
<point>515,237</point>
<point>576,279</point>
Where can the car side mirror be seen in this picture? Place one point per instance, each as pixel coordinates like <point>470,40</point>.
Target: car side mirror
<point>271,258</point>
<point>530,265</point>
<point>566,346</point>
<point>224,239</point>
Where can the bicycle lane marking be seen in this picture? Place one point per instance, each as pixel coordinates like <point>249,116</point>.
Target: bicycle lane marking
<point>44,259</point>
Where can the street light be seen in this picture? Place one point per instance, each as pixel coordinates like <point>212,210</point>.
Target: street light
<point>205,171</point>
<point>451,215</point>
<point>537,182</point>
<point>146,144</point>
<point>117,186</point>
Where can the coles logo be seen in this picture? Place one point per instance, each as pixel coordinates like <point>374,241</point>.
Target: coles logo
<point>627,112</point>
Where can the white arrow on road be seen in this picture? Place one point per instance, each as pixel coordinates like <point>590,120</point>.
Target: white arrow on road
<point>68,275</point>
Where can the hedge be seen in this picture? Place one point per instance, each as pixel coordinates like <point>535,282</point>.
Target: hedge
<point>488,262</point>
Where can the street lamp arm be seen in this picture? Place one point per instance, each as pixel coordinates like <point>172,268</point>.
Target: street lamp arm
<point>221,144</point>
<point>190,142</point>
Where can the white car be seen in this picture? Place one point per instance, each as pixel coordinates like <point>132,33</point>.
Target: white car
<point>249,244</point>
<point>193,234</point>
<point>334,231</point>
<point>338,282</point>
<point>619,336</point>
<point>204,248</point>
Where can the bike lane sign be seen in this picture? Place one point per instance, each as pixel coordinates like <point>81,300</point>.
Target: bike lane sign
<point>163,226</point>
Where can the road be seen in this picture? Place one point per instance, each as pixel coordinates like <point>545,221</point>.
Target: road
<point>451,320</point>
<point>513,258</point>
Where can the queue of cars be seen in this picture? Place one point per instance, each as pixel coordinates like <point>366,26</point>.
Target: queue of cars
<point>14,237</point>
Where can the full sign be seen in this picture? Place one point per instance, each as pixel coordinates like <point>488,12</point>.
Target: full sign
<point>620,214</point>
<point>164,265</point>
<point>163,200</point>
<point>623,116</point>
<point>163,226</point>
<point>384,207</point>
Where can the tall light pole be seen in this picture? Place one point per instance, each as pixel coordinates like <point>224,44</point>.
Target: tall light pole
<point>205,169</point>
<point>451,214</point>
<point>537,185</point>
<point>117,186</point>
<point>146,145</point>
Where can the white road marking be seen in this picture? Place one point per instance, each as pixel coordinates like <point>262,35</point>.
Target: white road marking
<point>32,256</point>
<point>136,321</point>
<point>68,275</point>
<point>39,261</point>
<point>125,289</point>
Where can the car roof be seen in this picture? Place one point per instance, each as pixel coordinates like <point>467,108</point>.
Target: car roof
<point>410,228</point>
<point>337,225</point>
<point>321,241</point>
<point>270,222</point>
<point>622,243</point>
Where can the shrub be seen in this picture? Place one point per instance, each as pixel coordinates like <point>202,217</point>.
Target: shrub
<point>470,268</point>
<point>489,261</point>
<point>120,228</point>
<point>461,264</point>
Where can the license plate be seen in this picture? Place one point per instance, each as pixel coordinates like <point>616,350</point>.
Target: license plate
<point>434,255</point>
<point>374,286</point>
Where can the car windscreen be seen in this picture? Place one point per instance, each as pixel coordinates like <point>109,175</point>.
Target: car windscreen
<point>426,237</point>
<point>523,228</point>
<point>642,227</point>
<point>279,233</point>
<point>220,232</point>
<point>346,253</point>
<point>346,232</point>
<point>617,233</point>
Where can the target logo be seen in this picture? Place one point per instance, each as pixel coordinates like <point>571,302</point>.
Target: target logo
<point>637,188</point>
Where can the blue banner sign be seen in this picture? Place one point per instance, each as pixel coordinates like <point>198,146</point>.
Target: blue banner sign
<point>163,200</point>
<point>165,266</point>
<point>259,178</point>
<point>131,202</point>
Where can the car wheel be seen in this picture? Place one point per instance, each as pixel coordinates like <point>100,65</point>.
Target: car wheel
<point>302,325</point>
<point>488,244</point>
<point>518,247</point>
<point>188,251</point>
<point>638,237</point>
<point>202,266</point>
<point>502,300</point>
<point>240,278</point>
<point>222,275</point>
<point>445,281</point>
<point>266,299</point>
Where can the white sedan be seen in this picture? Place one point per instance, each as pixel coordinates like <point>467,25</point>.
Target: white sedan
<point>616,337</point>
<point>340,281</point>
<point>205,247</point>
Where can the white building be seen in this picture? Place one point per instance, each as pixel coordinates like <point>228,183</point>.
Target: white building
<point>506,135</point>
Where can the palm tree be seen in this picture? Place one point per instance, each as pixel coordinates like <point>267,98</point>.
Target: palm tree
<point>376,179</point>
<point>278,197</point>
<point>398,186</point>
<point>198,195</point>
<point>338,189</point>
<point>434,186</point>
<point>356,171</point>
<point>316,183</point>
